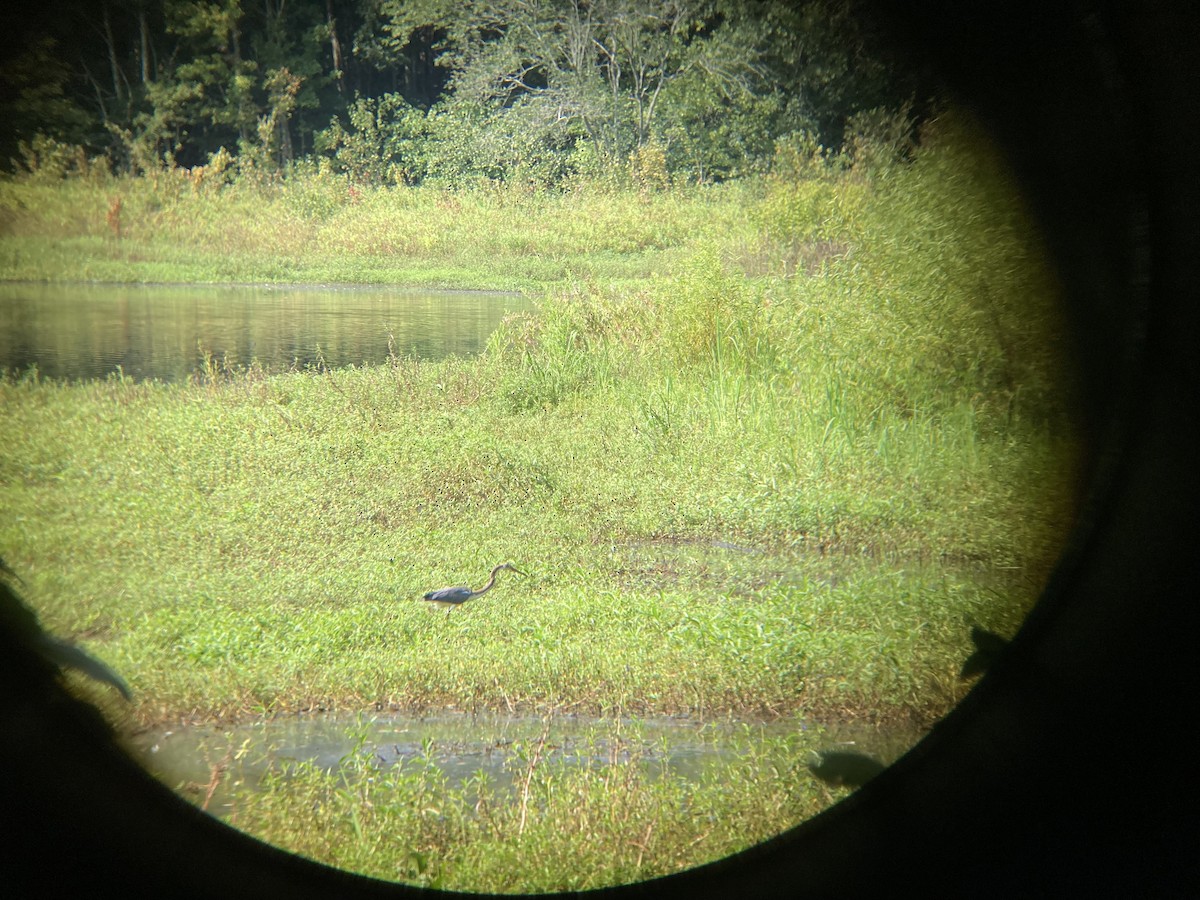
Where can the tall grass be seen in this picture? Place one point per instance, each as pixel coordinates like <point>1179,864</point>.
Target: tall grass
<point>763,449</point>
<point>556,830</point>
<point>324,228</point>
<point>261,543</point>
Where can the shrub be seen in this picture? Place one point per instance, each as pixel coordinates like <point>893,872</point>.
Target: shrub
<point>383,144</point>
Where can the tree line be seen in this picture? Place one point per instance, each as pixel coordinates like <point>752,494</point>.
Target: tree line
<point>406,91</point>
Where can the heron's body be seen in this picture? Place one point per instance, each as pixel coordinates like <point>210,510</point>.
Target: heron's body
<point>450,597</point>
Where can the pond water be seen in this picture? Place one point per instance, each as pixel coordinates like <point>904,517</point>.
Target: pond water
<point>84,331</point>
<point>463,745</point>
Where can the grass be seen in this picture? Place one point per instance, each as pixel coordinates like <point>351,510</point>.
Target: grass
<point>764,449</point>
<point>269,539</point>
<point>554,830</point>
<point>323,229</point>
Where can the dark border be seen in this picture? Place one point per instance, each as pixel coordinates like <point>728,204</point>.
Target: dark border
<point>1065,772</point>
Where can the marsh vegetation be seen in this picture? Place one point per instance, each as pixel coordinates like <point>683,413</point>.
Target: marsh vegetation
<point>764,448</point>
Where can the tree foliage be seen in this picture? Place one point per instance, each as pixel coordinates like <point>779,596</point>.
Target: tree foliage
<point>408,90</point>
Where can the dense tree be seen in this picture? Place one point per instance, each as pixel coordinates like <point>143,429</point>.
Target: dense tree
<point>34,98</point>
<point>451,89</point>
<point>605,70</point>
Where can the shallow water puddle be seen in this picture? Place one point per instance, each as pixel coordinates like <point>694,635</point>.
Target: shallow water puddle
<point>200,761</point>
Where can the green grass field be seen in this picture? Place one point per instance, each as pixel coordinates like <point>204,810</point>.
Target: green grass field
<point>855,381</point>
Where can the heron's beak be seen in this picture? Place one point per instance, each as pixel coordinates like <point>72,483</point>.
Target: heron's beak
<point>518,571</point>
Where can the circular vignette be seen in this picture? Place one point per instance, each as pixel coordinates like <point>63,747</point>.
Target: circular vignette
<point>1029,786</point>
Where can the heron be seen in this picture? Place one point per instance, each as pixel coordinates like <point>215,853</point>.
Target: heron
<point>450,597</point>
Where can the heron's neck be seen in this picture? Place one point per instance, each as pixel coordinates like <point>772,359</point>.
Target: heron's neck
<point>487,587</point>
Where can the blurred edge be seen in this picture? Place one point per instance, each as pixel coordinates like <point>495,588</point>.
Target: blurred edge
<point>1024,790</point>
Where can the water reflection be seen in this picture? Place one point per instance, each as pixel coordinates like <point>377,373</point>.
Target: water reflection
<point>463,746</point>
<point>87,331</point>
